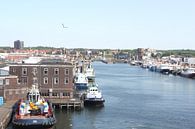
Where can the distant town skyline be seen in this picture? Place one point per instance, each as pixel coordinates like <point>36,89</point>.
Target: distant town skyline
<point>113,24</point>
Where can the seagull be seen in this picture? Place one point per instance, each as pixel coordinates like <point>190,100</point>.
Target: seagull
<point>64,26</point>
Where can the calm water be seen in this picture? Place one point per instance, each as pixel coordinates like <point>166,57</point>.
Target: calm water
<point>135,99</point>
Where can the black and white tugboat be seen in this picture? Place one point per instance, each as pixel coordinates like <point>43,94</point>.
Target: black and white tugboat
<point>94,96</point>
<point>34,112</point>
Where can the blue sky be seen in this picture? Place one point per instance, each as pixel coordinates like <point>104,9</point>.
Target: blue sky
<point>121,24</point>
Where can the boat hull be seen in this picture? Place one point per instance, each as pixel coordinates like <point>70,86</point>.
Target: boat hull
<point>33,123</point>
<point>191,75</point>
<point>94,102</point>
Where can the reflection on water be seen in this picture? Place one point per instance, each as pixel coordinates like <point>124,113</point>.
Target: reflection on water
<point>68,119</point>
<point>64,119</point>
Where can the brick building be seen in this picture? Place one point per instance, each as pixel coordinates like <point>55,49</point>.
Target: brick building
<point>54,77</point>
<point>10,89</point>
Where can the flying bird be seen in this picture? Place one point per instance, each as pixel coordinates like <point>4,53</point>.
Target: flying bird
<point>64,26</point>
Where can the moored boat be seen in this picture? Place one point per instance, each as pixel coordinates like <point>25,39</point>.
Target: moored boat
<point>94,97</point>
<point>163,68</point>
<point>81,82</point>
<point>90,73</point>
<point>189,73</point>
<point>34,112</point>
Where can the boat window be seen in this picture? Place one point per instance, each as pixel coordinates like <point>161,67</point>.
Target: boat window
<point>34,98</point>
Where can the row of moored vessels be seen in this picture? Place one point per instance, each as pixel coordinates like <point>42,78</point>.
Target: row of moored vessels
<point>86,86</point>
<point>167,68</point>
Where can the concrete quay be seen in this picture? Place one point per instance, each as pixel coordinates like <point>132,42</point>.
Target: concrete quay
<point>5,114</point>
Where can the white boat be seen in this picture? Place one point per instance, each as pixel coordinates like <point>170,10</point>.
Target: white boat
<point>90,73</point>
<point>189,73</point>
<point>81,81</point>
<point>163,68</point>
<point>132,62</point>
<point>94,96</point>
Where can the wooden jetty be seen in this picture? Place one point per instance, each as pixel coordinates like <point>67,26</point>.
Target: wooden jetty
<point>67,103</point>
<point>5,114</point>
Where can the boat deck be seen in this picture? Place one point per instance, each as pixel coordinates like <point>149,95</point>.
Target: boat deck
<point>31,117</point>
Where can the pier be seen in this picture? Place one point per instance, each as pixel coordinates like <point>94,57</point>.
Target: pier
<point>67,103</point>
<point>5,114</point>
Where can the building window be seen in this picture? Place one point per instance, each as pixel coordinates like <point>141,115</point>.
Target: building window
<point>18,81</point>
<point>56,80</point>
<point>66,71</point>
<point>45,80</point>
<point>13,70</point>
<point>45,71</point>
<point>10,92</point>
<point>56,71</point>
<point>23,80</point>
<point>44,94</point>
<point>6,81</point>
<point>24,71</point>
<point>34,71</point>
<point>66,80</point>
<point>66,94</point>
<point>35,81</point>
<point>54,94</point>
<point>1,81</point>
<point>16,92</point>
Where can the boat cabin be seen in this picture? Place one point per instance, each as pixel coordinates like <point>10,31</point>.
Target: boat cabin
<point>34,95</point>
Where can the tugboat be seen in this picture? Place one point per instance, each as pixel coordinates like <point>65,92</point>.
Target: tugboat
<point>34,112</point>
<point>94,96</point>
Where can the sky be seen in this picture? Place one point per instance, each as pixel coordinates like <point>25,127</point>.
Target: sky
<point>115,24</point>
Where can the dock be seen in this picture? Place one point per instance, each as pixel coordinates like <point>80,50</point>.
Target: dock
<point>75,104</point>
<point>5,114</point>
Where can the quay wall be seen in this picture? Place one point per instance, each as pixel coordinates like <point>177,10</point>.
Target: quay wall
<point>5,114</point>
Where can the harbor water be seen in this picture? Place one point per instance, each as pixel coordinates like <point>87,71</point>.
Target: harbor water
<point>135,98</point>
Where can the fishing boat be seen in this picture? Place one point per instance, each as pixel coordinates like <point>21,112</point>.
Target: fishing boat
<point>33,112</point>
<point>94,96</point>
